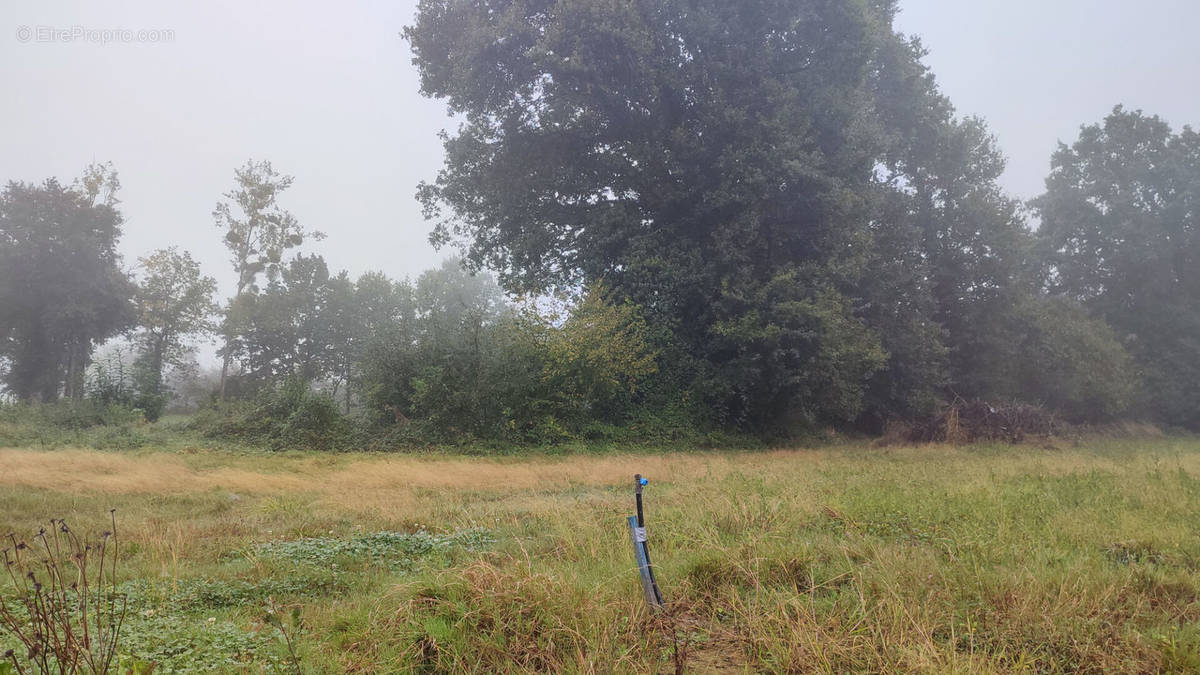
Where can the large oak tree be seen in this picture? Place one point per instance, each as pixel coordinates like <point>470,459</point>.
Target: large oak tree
<point>777,182</point>
<point>1121,231</point>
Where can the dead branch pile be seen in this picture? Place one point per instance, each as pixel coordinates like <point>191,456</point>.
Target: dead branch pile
<point>973,421</point>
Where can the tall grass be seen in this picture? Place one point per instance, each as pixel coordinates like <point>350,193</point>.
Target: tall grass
<point>1076,558</point>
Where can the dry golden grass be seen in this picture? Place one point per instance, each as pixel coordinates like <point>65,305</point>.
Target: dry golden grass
<point>348,477</point>
<point>174,474</point>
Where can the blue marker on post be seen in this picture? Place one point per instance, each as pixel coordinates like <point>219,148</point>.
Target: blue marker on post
<point>637,530</point>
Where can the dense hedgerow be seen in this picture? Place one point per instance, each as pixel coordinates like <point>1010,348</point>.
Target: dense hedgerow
<point>290,416</point>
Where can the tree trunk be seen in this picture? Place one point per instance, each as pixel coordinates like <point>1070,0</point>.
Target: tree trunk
<point>77,357</point>
<point>227,356</point>
<point>224,369</point>
<point>159,354</point>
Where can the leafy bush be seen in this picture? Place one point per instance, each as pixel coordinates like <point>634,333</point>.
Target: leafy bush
<point>290,416</point>
<point>540,375</point>
<point>1072,363</point>
<point>597,358</point>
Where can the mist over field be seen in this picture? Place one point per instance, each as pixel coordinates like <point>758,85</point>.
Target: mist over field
<point>368,337</point>
<point>332,98</point>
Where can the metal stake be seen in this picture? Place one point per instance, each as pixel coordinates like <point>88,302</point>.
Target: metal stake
<point>637,532</point>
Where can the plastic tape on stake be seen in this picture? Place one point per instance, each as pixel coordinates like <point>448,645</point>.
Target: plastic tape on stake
<point>639,534</point>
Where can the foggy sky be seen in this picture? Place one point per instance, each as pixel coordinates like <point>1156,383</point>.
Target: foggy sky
<point>327,93</point>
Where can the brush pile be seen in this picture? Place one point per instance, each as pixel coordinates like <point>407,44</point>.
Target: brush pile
<point>973,421</point>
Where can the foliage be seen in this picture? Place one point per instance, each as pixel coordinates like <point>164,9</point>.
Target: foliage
<point>287,330</point>
<point>62,289</point>
<point>257,230</point>
<point>799,345</point>
<point>468,370</point>
<point>1119,232</point>
<point>69,415</point>
<point>476,367</point>
<point>665,166</point>
<point>326,330</point>
<point>172,643</point>
<point>381,324</point>
<point>721,220</point>
<point>395,550</point>
<point>257,233</point>
<point>175,302</point>
<point>137,387</point>
<point>288,630</point>
<point>818,235</point>
<point>1071,363</point>
<point>127,431</point>
<point>192,387</point>
<point>599,355</point>
<point>290,415</point>
<point>111,379</point>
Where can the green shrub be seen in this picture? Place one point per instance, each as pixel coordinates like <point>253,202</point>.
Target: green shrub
<point>1072,363</point>
<point>289,416</point>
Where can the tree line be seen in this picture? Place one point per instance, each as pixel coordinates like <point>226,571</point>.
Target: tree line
<point>447,353</point>
<point>782,187</point>
<point>757,216</point>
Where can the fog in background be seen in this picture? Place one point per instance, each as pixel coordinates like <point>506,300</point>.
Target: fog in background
<point>326,92</point>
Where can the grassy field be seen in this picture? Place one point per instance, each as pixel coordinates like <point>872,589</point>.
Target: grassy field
<point>1077,558</point>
